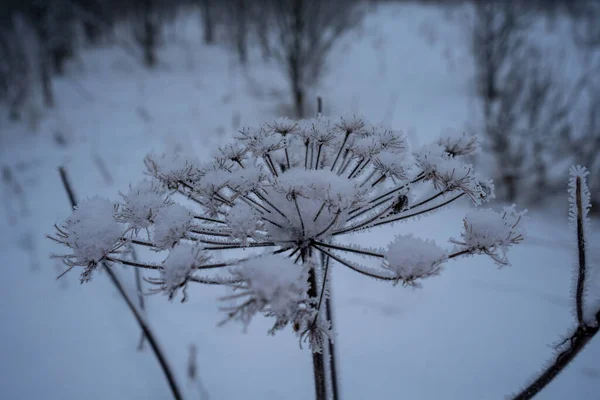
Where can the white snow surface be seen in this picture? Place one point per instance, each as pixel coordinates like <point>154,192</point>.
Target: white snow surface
<point>473,333</point>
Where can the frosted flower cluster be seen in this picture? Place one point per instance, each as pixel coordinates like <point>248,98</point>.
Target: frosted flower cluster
<point>489,232</point>
<point>275,205</point>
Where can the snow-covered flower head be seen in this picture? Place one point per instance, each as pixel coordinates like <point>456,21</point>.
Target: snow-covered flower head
<point>271,285</point>
<point>179,267</point>
<point>492,233</point>
<point>411,258</point>
<point>141,204</point>
<point>281,198</point>
<point>92,233</point>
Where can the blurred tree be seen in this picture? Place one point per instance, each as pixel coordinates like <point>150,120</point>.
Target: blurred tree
<point>304,32</point>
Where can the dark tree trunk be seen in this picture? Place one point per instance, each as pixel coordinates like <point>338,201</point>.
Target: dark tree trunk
<point>149,34</point>
<point>39,18</point>
<point>207,22</point>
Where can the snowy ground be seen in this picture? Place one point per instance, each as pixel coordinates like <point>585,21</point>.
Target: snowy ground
<point>475,332</point>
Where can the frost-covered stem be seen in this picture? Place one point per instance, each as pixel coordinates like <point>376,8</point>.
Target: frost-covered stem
<point>270,204</point>
<point>358,164</point>
<point>581,273</point>
<point>318,358</point>
<point>149,335</point>
<point>364,223</point>
<point>332,352</point>
<point>209,233</point>
<point>287,158</point>
<point>140,292</point>
<point>427,200</point>
<point>306,143</point>
<point>331,224</point>
<point>233,247</point>
<point>299,215</point>
<point>371,208</point>
<point>417,179</point>
<point>339,153</point>
<point>329,318</point>
<point>584,332</point>
<point>270,160</point>
<point>269,166</point>
<point>318,156</point>
<point>255,205</point>
<point>139,242</point>
<point>132,263</point>
<point>460,253</point>
<point>350,249</point>
<point>391,220</point>
<point>352,267</point>
<point>325,263</point>
<point>162,360</point>
<point>216,221</point>
<point>319,212</point>
<point>368,178</point>
<point>272,222</point>
<point>378,181</point>
<point>212,281</point>
<point>577,341</point>
<point>345,164</point>
<point>356,173</point>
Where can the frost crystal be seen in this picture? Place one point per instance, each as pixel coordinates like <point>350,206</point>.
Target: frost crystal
<point>412,258</point>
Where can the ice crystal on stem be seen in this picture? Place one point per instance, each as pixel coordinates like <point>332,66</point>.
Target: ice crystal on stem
<point>290,190</point>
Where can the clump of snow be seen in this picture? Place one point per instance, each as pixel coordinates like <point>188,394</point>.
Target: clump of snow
<point>141,204</point>
<point>248,179</point>
<point>412,258</point>
<point>324,185</point>
<point>489,232</point>
<point>91,232</point>
<point>273,285</point>
<point>244,223</point>
<point>174,167</point>
<point>178,267</point>
<point>171,225</point>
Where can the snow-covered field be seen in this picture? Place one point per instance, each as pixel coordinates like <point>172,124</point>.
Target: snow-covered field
<point>475,332</point>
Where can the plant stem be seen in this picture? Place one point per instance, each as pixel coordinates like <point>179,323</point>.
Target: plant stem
<point>318,358</point>
<point>162,360</point>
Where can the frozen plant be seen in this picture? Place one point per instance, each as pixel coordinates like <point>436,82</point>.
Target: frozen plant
<point>585,294</point>
<point>287,192</point>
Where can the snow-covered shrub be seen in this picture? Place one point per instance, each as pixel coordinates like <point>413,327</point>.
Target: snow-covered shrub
<point>287,192</point>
